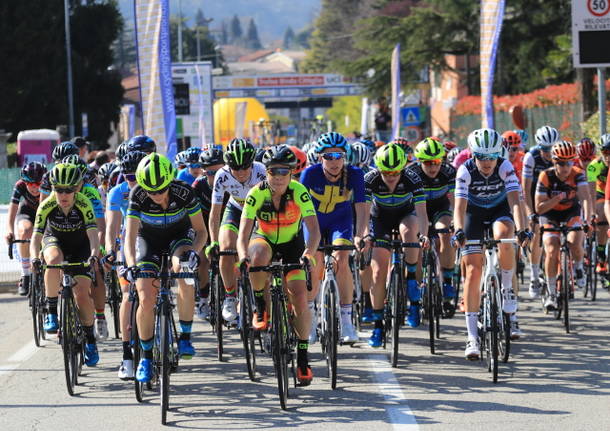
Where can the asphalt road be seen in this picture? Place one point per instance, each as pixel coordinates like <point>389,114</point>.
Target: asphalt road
<point>554,380</point>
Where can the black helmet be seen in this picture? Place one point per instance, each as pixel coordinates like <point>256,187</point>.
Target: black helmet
<point>79,141</point>
<point>64,149</point>
<point>239,154</point>
<point>121,150</point>
<point>32,172</point>
<point>280,155</point>
<point>106,169</point>
<point>75,160</point>
<point>191,155</point>
<point>129,162</point>
<point>141,143</point>
<point>211,157</point>
<point>259,154</point>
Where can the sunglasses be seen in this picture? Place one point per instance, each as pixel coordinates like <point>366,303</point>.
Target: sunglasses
<point>210,173</point>
<point>241,168</point>
<point>158,192</point>
<point>390,173</point>
<point>432,162</point>
<point>545,149</point>
<point>278,172</point>
<point>130,177</point>
<point>34,184</point>
<point>486,157</point>
<point>570,164</point>
<point>513,149</point>
<point>64,191</point>
<point>195,165</point>
<point>333,156</point>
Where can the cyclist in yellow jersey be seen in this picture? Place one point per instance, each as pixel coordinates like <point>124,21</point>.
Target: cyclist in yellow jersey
<point>278,204</point>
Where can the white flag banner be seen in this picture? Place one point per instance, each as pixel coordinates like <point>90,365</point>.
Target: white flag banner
<point>492,15</point>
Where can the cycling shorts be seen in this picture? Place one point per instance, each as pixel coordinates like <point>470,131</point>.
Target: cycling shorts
<point>438,210</point>
<point>231,218</point>
<point>477,218</point>
<point>290,252</point>
<point>335,231</point>
<point>382,227</point>
<point>73,250</point>
<point>149,249</point>
<point>555,218</point>
<point>25,212</point>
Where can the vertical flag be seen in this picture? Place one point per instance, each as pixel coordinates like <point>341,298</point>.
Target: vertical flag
<point>492,15</point>
<point>201,118</point>
<point>396,91</point>
<point>154,69</point>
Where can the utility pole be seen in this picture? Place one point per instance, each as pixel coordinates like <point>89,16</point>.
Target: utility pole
<point>71,128</point>
<point>180,31</point>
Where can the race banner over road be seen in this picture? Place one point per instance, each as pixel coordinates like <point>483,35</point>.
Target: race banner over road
<point>155,73</point>
<point>492,15</point>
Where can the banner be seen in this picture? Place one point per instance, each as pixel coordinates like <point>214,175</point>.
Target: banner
<point>154,70</point>
<point>492,15</point>
<point>202,108</point>
<point>396,91</point>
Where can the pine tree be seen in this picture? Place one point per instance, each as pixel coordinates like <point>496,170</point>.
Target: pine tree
<point>200,19</point>
<point>235,33</point>
<point>288,38</point>
<point>252,40</point>
<point>224,34</point>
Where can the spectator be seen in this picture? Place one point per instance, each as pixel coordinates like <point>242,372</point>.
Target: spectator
<point>383,118</point>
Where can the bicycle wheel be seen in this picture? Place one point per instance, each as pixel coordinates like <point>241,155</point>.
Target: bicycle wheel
<point>218,299</point>
<point>494,316</point>
<point>68,342</point>
<point>136,348</point>
<point>34,308</point>
<point>594,261</point>
<point>429,300</point>
<point>566,288</point>
<point>278,347</point>
<point>165,361</point>
<point>397,289</point>
<point>114,302</point>
<point>588,266</point>
<point>245,328</point>
<point>331,329</point>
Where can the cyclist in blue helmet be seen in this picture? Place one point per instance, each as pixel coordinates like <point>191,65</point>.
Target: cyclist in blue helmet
<point>193,167</point>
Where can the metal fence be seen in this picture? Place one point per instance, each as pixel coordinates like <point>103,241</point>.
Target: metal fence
<point>8,178</point>
<point>9,269</point>
<point>566,118</point>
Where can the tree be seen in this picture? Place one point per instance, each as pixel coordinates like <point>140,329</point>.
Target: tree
<point>224,34</point>
<point>200,19</point>
<point>235,32</point>
<point>207,45</point>
<point>288,38</point>
<point>252,41</point>
<point>33,82</point>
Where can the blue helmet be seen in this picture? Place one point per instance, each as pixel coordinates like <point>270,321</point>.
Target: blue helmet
<point>333,140</point>
<point>191,155</point>
<point>141,143</point>
<point>370,144</point>
<point>523,135</point>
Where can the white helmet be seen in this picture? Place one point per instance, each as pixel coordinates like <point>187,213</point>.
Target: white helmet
<point>485,141</point>
<point>312,156</point>
<point>604,141</point>
<point>546,136</point>
<point>361,155</point>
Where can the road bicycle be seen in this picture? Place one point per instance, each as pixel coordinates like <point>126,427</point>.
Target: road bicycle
<point>217,296</point>
<point>590,264</point>
<point>114,296</point>
<point>247,310</point>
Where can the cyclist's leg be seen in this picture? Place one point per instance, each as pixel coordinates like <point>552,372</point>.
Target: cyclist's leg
<point>602,237</point>
<point>317,273</point>
<point>260,252</point>
<point>229,229</point>
<point>409,229</point>
<point>472,260</point>
<point>342,235</point>
<point>504,228</point>
<point>447,258</point>
<point>24,231</point>
<point>98,294</point>
<point>53,255</point>
<point>186,297</point>
<point>534,259</point>
<point>551,243</point>
<point>86,308</point>
<point>380,263</point>
<point>575,243</point>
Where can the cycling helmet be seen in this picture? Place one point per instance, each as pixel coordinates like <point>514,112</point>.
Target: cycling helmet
<point>563,150</point>
<point>301,159</point>
<point>361,155</point>
<point>240,154</point>
<point>180,160</point>
<point>141,143</point>
<point>452,154</point>
<point>312,156</point>
<point>259,154</point>
<point>403,142</point>
<point>511,138</point>
<point>379,144</point>
<point>546,136</point>
<point>129,163</point>
<point>32,172</point>
<point>430,149</point>
<point>65,175</point>
<point>64,149</point>
<point>390,157</point>
<point>191,155</point>
<point>121,150</point>
<point>449,145</point>
<point>155,172</point>
<point>605,142</point>
<point>211,157</point>
<point>106,169</point>
<point>585,149</point>
<point>333,140</point>
<point>114,178</point>
<point>75,160</point>
<point>523,135</point>
<point>280,155</point>
<point>485,141</point>
<point>79,141</point>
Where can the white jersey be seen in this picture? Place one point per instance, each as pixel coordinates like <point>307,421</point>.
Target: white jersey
<point>225,182</point>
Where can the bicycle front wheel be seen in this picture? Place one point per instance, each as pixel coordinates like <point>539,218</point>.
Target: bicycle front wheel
<point>331,329</point>
<point>279,346</point>
<point>566,289</point>
<point>396,292</point>
<point>36,310</point>
<point>68,342</point>
<point>494,330</point>
<point>246,330</point>
<point>166,363</point>
<point>218,300</point>
<point>114,301</point>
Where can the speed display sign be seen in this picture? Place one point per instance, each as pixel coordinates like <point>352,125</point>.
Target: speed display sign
<point>591,33</point>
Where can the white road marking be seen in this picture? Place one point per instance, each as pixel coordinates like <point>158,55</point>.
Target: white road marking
<point>400,414</point>
<point>15,360</point>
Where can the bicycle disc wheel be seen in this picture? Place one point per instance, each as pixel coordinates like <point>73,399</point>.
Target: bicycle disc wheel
<point>247,332</point>
<point>494,315</point>
<point>398,293</point>
<point>68,343</point>
<point>278,348</point>
<point>331,337</point>
<point>164,352</point>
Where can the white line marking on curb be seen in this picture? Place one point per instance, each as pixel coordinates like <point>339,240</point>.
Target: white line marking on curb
<point>400,414</point>
<point>20,356</point>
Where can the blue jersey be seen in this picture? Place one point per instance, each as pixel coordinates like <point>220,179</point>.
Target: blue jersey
<point>91,192</point>
<point>118,198</point>
<point>186,176</point>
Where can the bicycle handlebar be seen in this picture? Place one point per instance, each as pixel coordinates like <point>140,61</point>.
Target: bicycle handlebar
<point>491,242</point>
<point>15,241</point>
<point>330,248</point>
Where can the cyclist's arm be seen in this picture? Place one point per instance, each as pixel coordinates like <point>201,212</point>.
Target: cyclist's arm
<point>243,239</point>
<point>462,182</point>
<point>214,221</point>
<point>94,241</point>
<point>132,226</point>
<point>201,233</point>
<point>582,192</point>
<point>113,228</point>
<point>313,241</point>
<point>422,217</point>
<point>362,218</point>
<point>12,213</point>
<point>515,205</point>
<point>544,204</point>
<point>35,243</point>
<point>459,212</point>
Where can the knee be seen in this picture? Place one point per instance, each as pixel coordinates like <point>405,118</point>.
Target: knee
<point>342,260</point>
<point>53,258</point>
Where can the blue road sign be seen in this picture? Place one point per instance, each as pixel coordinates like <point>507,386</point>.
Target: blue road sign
<point>409,116</point>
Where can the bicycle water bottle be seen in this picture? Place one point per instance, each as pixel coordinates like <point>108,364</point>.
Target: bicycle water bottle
<point>184,267</point>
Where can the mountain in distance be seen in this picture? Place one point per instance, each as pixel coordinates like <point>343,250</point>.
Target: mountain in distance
<point>272,17</point>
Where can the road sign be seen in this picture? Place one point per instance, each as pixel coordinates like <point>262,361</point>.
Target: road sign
<point>413,134</point>
<point>410,115</point>
<point>591,33</point>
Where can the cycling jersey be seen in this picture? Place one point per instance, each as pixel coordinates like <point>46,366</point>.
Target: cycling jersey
<point>91,192</point>
<point>408,192</point>
<point>203,191</point>
<point>486,192</point>
<point>436,189</point>
<point>46,188</point>
<point>225,182</point>
<point>518,164</point>
<point>598,172</point>
<point>461,158</point>
<point>186,176</point>
<point>550,185</point>
<point>533,164</point>
<point>281,225</point>
<point>118,198</point>
<point>158,222</point>
<point>20,191</point>
<point>50,218</point>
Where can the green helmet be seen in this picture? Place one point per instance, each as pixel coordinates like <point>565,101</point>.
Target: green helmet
<point>74,159</point>
<point>155,172</point>
<point>390,157</point>
<point>429,149</point>
<point>240,154</point>
<point>65,175</point>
